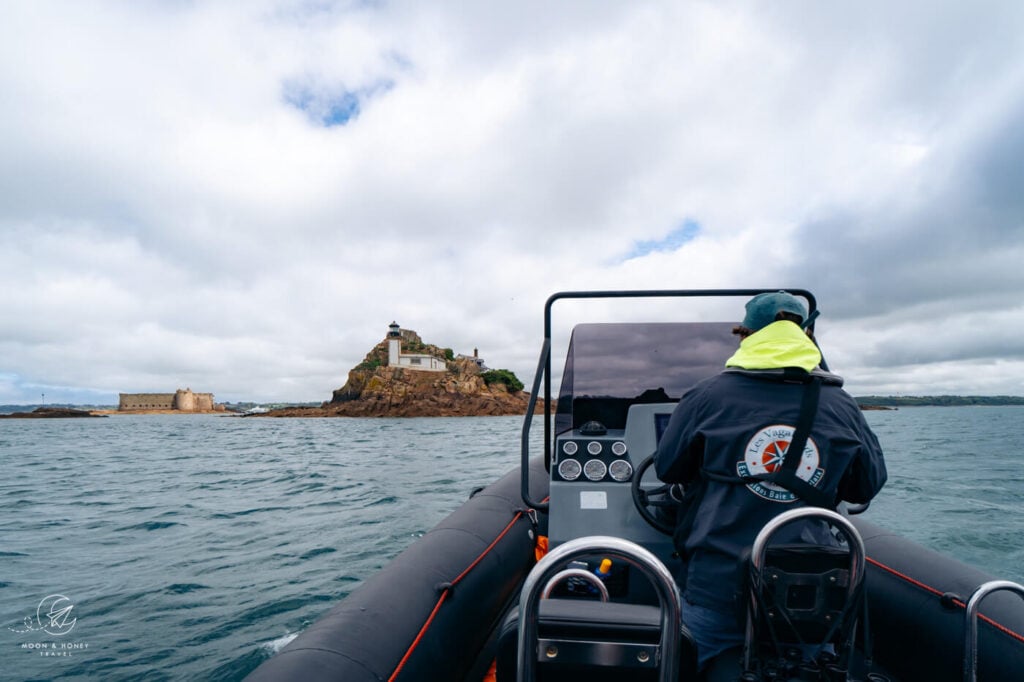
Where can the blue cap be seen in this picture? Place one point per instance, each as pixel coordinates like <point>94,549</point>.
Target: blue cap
<point>762,309</point>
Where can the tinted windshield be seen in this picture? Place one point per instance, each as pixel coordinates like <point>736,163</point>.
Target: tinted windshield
<point>611,366</point>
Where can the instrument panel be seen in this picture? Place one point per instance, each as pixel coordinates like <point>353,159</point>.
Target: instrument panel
<point>592,458</point>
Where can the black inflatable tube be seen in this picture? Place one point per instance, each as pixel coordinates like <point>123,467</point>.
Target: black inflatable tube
<point>918,634</point>
<point>368,634</point>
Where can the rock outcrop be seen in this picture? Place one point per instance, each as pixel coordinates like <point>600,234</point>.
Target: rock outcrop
<point>375,389</point>
<point>51,413</point>
<point>400,392</point>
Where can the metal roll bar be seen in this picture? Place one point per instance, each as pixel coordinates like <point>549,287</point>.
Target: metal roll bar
<point>544,362</point>
<point>616,548</point>
<point>971,622</point>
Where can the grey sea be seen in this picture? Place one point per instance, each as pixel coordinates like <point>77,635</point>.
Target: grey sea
<point>194,547</point>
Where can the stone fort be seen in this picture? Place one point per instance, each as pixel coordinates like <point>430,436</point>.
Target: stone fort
<point>181,400</point>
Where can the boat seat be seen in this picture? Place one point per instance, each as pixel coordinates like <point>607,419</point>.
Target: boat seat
<point>805,604</point>
<point>595,641</point>
<point>804,592</point>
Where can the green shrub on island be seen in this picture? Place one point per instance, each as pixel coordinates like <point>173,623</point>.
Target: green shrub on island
<point>502,376</point>
<point>371,364</point>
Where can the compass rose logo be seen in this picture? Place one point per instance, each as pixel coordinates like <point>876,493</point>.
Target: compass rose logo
<point>774,453</point>
<point>765,453</point>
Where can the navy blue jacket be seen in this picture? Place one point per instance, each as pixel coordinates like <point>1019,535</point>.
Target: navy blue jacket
<point>738,423</point>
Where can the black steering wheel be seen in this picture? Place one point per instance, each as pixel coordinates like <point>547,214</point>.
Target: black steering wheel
<point>663,496</point>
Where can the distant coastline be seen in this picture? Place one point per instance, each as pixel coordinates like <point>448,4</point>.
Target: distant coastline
<point>72,411</point>
<point>114,411</point>
<point>877,401</point>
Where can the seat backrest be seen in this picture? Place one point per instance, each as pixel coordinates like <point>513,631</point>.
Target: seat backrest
<point>804,594</point>
<point>805,601</point>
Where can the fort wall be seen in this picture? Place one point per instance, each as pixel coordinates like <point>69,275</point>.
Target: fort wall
<point>181,400</point>
<point>146,401</point>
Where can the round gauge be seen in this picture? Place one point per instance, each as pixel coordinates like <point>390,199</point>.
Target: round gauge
<point>620,470</point>
<point>594,447</point>
<point>595,469</point>
<point>569,447</point>
<point>618,448</point>
<point>569,469</point>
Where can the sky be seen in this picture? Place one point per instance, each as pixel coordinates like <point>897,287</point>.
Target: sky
<point>238,197</point>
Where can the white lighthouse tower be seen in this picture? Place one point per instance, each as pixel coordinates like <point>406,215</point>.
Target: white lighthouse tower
<point>394,343</point>
<point>418,361</point>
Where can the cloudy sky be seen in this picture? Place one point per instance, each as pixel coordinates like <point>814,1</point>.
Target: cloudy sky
<point>239,197</point>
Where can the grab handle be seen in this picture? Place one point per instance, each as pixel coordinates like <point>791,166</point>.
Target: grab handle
<point>615,548</point>
<point>971,617</point>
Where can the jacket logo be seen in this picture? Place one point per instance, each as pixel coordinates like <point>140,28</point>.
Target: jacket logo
<point>764,455</point>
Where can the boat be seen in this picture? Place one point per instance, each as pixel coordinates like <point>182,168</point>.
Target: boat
<point>562,569</point>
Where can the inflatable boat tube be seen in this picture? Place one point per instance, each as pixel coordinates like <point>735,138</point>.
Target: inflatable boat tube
<point>917,603</point>
<point>431,611</point>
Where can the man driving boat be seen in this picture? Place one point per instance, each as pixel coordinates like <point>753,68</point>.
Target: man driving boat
<point>726,442</point>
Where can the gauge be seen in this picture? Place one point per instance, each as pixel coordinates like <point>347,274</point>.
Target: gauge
<point>618,448</point>
<point>620,470</point>
<point>595,469</point>
<point>569,469</point>
<point>594,447</point>
<point>569,447</point>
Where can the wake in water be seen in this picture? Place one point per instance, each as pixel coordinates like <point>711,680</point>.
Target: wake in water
<point>273,646</point>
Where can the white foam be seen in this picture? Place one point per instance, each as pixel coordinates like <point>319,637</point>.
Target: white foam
<point>281,642</point>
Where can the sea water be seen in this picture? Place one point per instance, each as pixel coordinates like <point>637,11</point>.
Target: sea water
<point>194,547</point>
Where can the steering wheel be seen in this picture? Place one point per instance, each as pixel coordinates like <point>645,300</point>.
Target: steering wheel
<point>665,496</point>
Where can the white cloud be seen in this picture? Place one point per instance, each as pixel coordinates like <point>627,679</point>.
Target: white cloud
<point>175,209</point>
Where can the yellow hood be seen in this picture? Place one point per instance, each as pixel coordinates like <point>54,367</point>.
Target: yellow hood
<point>780,344</point>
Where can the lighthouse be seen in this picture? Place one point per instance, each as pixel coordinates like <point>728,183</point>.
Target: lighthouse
<point>394,343</point>
<point>422,362</point>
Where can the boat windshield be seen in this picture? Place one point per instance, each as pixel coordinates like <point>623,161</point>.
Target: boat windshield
<point>611,366</point>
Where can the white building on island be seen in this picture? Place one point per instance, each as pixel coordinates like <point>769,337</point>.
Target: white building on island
<point>475,358</point>
<point>420,361</point>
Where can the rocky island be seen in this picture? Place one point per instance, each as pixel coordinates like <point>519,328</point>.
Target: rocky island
<point>51,413</point>
<point>404,377</point>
